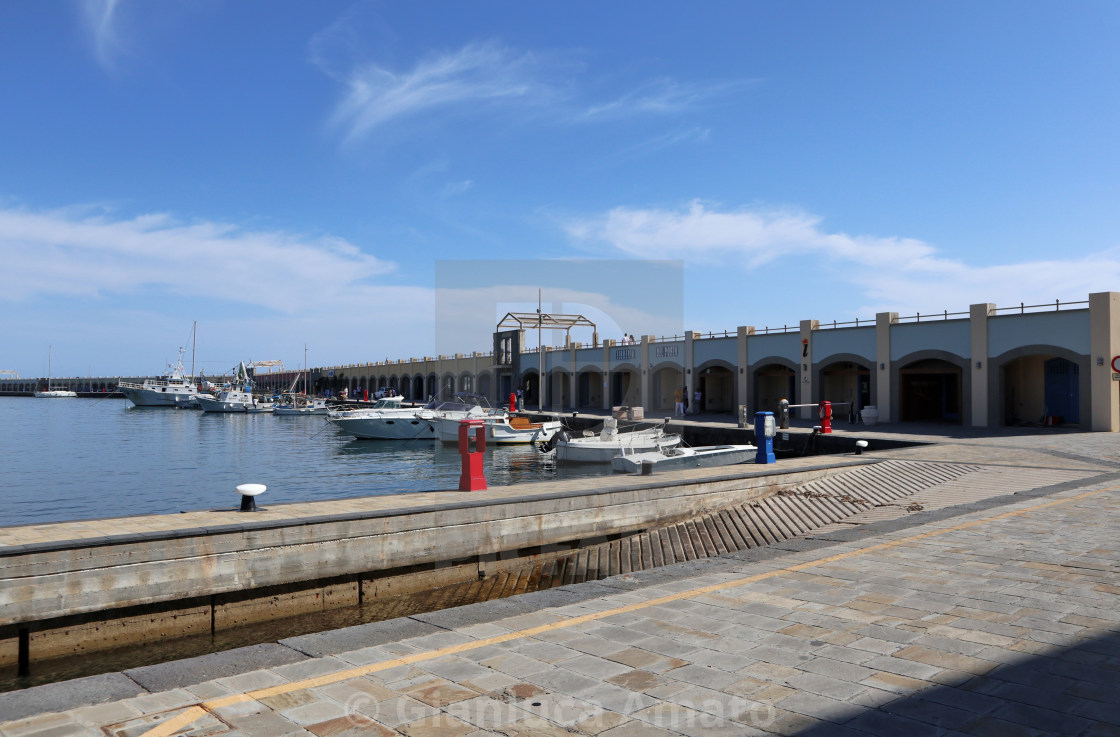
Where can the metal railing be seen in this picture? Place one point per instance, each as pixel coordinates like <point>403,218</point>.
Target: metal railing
<point>932,316</point>
<point>1056,307</point>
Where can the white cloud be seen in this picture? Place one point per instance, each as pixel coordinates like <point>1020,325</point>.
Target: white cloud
<point>100,21</point>
<point>893,273</point>
<point>477,73</point>
<point>662,96</point>
<point>60,253</point>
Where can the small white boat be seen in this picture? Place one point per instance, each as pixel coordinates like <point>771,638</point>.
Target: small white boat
<point>385,420</point>
<point>300,404</point>
<point>237,396</point>
<point>501,428</point>
<point>173,389</point>
<point>609,442</point>
<point>53,393</point>
<point>678,457</point>
<point>507,429</point>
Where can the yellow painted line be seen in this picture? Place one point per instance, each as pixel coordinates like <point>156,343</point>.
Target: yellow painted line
<point>190,715</point>
<point>175,723</point>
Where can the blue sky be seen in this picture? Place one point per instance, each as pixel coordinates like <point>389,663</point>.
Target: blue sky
<point>290,173</point>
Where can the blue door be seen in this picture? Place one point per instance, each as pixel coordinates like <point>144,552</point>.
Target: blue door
<point>1062,392</point>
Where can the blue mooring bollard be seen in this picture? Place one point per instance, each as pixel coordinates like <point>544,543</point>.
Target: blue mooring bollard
<point>764,437</point>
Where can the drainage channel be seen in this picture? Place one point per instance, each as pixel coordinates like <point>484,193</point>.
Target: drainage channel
<point>789,513</point>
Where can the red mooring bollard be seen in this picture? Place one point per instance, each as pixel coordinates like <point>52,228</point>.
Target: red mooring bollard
<point>473,478</point>
<point>512,402</point>
<point>825,412</point>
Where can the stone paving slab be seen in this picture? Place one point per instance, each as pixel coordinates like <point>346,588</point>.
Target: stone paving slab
<point>998,617</point>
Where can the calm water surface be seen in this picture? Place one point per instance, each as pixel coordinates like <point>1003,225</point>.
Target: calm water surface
<point>70,459</point>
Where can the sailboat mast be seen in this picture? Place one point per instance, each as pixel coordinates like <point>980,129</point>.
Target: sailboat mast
<point>50,357</point>
<point>305,368</point>
<point>194,344</point>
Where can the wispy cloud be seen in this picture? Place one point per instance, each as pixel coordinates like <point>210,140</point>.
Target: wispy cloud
<point>59,253</point>
<point>662,96</point>
<point>487,76</point>
<point>478,73</point>
<point>453,189</point>
<point>100,18</point>
<point>893,273</point>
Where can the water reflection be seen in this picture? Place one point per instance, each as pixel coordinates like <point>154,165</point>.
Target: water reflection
<point>82,459</point>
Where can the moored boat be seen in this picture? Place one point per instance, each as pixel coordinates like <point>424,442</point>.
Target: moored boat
<point>601,447</point>
<point>387,419</point>
<point>236,396</point>
<point>680,457</point>
<point>173,389</point>
<point>53,393</point>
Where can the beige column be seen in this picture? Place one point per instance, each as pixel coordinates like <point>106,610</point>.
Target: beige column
<point>689,363</point>
<point>743,382</point>
<point>607,345</point>
<point>978,324</point>
<point>805,386</point>
<point>881,373</point>
<point>1104,345</point>
<point>644,379</point>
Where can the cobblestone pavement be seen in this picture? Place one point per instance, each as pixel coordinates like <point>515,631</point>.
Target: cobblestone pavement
<point>991,619</point>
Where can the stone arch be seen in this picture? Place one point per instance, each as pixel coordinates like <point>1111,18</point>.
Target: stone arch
<point>589,388</point>
<point>844,377</point>
<point>774,379</point>
<point>715,380</point>
<point>666,378</point>
<point>931,386</point>
<point>625,385</point>
<point>1021,386</point>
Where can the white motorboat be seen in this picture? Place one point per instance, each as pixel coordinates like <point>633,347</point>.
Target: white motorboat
<point>173,389</point>
<point>301,404</point>
<point>385,420</point>
<point>609,442</point>
<point>507,429</point>
<point>53,393</point>
<point>679,457</point>
<point>444,415</point>
<point>236,396</point>
<point>502,428</point>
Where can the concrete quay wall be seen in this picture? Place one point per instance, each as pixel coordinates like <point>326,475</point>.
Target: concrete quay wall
<point>73,596</point>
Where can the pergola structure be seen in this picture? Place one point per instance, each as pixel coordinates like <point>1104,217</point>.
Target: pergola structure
<point>546,321</point>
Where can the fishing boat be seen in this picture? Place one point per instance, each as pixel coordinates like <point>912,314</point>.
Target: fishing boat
<point>236,396</point>
<point>53,393</point>
<point>387,419</point>
<point>173,389</point>
<point>678,457</point>
<point>601,447</point>
<point>294,404</point>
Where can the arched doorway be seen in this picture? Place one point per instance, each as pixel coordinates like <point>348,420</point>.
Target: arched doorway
<point>466,382</point>
<point>559,389</point>
<point>589,392</point>
<point>666,381</point>
<point>846,381</point>
<point>433,386</point>
<point>418,393</point>
<point>532,384</point>
<point>485,386</point>
<point>1041,389</point>
<point>626,389</point>
<point>716,384</point>
<point>930,391</point>
<point>773,382</point>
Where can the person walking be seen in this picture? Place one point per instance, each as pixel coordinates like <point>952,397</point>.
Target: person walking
<point>678,402</point>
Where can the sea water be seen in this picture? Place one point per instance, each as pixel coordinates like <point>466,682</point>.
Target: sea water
<point>73,459</point>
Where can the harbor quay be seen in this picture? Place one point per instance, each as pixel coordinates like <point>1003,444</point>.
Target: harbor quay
<point>955,582</point>
<point>987,366</point>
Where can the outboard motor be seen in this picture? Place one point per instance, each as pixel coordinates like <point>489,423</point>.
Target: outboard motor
<point>550,445</point>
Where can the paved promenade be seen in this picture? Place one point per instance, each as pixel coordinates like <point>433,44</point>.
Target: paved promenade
<point>992,611</point>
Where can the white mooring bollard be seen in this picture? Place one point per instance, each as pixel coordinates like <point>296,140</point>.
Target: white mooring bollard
<point>249,494</point>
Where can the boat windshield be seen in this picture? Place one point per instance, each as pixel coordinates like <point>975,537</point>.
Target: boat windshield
<point>461,402</point>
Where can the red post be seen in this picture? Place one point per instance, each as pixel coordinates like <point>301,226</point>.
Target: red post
<point>824,409</point>
<point>512,402</point>
<point>472,478</point>
<point>365,395</point>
